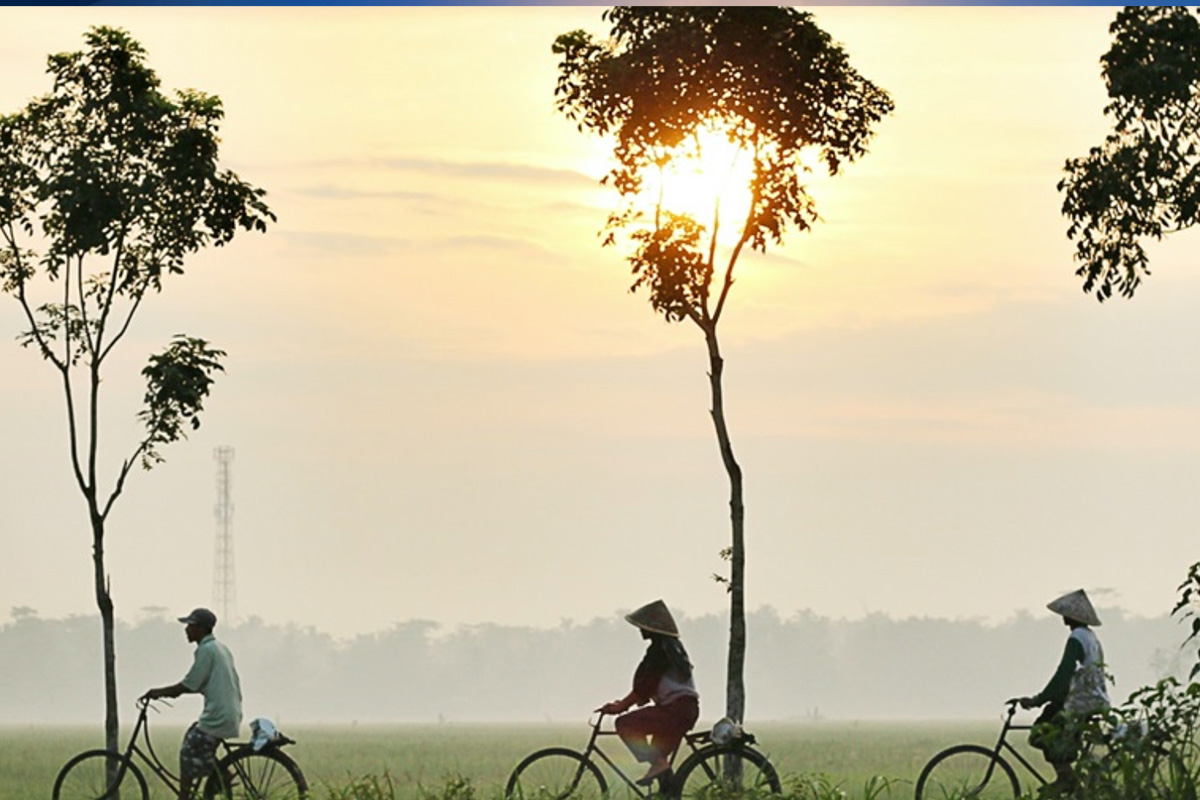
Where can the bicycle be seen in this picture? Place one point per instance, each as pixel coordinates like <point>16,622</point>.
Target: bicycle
<point>970,770</point>
<point>556,773</point>
<point>241,773</point>
<point>973,771</point>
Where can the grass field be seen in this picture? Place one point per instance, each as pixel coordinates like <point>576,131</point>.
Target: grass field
<point>425,756</point>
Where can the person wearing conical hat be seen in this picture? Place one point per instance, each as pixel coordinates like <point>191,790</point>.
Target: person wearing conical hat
<point>1075,691</point>
<point>664,690</point>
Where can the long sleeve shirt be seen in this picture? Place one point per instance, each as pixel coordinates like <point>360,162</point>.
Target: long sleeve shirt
<point>1060,683</point>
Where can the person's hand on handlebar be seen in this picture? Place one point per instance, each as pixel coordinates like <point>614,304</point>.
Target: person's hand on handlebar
<point>617,706</point>
<point>169,692</point>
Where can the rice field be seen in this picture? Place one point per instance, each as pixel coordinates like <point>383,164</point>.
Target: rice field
<point>421,759</point>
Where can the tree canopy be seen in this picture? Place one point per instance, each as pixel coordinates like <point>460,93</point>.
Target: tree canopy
<point>106,185</point>
<point>766,79</point>
<point>1143,182</point>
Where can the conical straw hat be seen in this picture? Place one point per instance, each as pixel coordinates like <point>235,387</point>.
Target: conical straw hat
<point>1075,606</point>
<point>655,618</point>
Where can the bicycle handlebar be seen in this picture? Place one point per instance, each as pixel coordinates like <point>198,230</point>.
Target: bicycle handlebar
<point>145,703</point>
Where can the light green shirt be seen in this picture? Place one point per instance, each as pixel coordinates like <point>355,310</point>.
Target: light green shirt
<point>214,676</point>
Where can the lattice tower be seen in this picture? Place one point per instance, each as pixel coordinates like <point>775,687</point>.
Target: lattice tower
<point>224,577</point>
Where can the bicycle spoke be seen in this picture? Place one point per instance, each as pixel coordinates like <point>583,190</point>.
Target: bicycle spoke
<point>966,773</point>
<point>555,775</point>
<point>717,775</point>
<point>257,776</point>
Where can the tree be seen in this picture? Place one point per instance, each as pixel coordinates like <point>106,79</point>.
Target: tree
<point>672,84</point>
<point>1144,181</point>
<point>106,186</point>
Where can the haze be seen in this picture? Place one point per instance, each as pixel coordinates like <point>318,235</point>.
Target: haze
<point>446,406</point>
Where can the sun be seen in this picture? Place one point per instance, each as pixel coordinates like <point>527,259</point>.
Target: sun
<point>708,178</point>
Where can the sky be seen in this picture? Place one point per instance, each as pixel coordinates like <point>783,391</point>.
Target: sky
<point>445,404</point>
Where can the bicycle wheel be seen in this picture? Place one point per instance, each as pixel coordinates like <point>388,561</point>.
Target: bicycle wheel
<point>703,774</point>
<point>967,771</point>
<point>555,774</point>
<point>261,775</point>
<point>86,777</point>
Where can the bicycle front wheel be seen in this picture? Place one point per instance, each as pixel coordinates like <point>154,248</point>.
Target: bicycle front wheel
<point>556,773</point>
<point>261,775</point>
<point>99,775</point>
<point>967,772</point>
<point>709,773</point>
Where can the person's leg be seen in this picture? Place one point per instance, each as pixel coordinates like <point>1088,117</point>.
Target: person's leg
<point>635,729</point>
<point>642,730</point>
<point>678,718</point>
<point>1043,734</point>
<point>197,757</point>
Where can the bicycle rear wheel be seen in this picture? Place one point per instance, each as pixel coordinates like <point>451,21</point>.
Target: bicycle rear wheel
<point>556,773</point>
<point>704,774</point>
<point>262,775</point>
<point>967,772</point>
<point>86,777</point>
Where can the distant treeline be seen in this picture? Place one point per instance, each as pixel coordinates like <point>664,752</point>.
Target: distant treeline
<point>801,667</point>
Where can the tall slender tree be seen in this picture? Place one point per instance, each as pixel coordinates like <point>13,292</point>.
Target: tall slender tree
<point>106,186</point>
<point>671,84</point>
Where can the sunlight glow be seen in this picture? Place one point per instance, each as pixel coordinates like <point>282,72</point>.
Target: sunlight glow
<point>710,182</point>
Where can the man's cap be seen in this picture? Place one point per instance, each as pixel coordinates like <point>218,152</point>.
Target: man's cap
<point>655,618</point>
<point>1075,606</point>
<point>202,617</point>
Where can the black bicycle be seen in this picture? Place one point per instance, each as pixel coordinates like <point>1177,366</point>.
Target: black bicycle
<point>241,773</point>
<point>974,772</point>
<point>556,773</point>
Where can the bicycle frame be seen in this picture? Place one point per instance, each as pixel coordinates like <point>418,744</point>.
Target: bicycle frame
<point>1003,745</point>
<point>149,758</point>
<point>693,741</point>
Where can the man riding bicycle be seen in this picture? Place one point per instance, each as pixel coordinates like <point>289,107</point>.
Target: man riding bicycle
<point>213,675</point>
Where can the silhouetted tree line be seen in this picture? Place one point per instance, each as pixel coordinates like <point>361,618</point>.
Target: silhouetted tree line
<point>801,667</point>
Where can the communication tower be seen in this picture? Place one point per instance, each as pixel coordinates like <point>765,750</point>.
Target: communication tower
<point>224,578</point>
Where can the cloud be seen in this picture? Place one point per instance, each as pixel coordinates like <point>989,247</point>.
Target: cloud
<point>365,245</point>
<point>330,192</point>
<point>482,170</point>
<point>491,170</point>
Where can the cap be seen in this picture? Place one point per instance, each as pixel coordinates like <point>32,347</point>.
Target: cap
<point>202,617</point>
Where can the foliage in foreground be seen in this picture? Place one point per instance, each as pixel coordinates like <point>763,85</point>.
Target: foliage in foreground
<point>383,787</point>
<point>1144,749</point>
<point>817,786</point>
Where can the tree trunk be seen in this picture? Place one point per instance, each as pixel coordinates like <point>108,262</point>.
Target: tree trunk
<point>735,688</point>
<point>105,605</point>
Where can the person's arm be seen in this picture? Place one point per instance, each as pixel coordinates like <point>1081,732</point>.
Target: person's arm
<point>622,705</point>
<point>645,681</point>
<point>192,682</point>
<point>1060,682</point>
<point>167,691</point>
